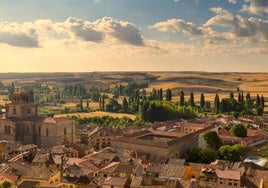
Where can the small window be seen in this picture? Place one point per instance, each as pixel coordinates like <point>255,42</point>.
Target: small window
<point>235,184</point>
<point>14,111</point>
<point>47,132</point>
<point>65,131</point>
<point>29,110</point>
<point>230,183</point>
<point>39,131</point>
<point>28,130</point>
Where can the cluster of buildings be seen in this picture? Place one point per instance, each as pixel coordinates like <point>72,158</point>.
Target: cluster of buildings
<point>44,152</point>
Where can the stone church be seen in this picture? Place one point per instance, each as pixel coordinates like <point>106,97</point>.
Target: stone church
<point>22,123</point>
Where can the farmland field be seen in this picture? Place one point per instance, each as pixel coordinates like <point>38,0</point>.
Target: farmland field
<point>196,82</point>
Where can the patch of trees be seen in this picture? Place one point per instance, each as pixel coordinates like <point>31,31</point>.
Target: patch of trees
<point>106,121</point>
<point>239,106</point>
<point>164,110</point>
<point>214,150</point>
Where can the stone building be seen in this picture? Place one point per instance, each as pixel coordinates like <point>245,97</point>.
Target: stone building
<point>158,144</point>
<point>22,123</point>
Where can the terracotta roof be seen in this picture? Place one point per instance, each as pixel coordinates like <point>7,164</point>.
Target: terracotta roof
<point>37,172</point>
<point>228,174</point>
<point>115,181</point>
<point>8,176</point>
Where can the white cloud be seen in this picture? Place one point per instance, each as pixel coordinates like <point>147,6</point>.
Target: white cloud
<point>15,34</point>
<point>83,29</point>
<point>121,30</point>
<point>256,6</point>
<point>178,25</point>
<point>240,27</point>
<point>232,1</point>
<point>40,32</point>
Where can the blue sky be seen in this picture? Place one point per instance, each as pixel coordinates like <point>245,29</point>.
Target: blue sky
<point>128,35</point>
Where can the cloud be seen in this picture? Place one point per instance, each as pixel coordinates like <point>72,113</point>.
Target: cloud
<point>232,1</point>
<point>239,26</point>
<point>42,32</point>
<point>256,6</point>
<point>178,25</point>
<point>121,30</point>
<point>21,35</point>
<point>83,29</point>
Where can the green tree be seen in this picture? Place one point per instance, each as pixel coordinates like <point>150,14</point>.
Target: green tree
<point>259,111</point>
<point>248,104</point>
<point>207,155</point>
<point>193,154</point>
<point>125,105</point>
<point>191,100</point>
<point>182,98</point>
<point>113,105</point>
<point>217,103</point>
<point>168,95</point>
<point>6,184</point>
<point>212,139</point>
<point>258,101</point>
<point>239,130</point>
<point>231,153</point>
<point>202,100</point>
<point>160,94</point>
<point>262,102</point>
<point>231,95</point>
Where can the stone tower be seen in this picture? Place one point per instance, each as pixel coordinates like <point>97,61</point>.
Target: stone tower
<point>21,107</point>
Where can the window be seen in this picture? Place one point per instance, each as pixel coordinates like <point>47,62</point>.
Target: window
<point>39,130</point>
<point>235,184</point>
<point>29,110</point>
<point>14,111</point>
<point>230,183</point>
<point>65,131</point>
<point>47,132</point>
<point>6,129</point>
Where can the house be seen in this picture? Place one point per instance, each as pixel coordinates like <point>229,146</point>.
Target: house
<point>253,138</point>
<point>227,177</point>
<point>42,175</point>
<point>82,149</point>
<point>101,137</point>
<point>116,182</point>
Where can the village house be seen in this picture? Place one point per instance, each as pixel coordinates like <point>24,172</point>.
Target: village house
<point>253,138</point>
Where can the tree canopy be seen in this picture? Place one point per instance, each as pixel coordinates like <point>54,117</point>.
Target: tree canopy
<point>239,130</point>
<point>212,139</point>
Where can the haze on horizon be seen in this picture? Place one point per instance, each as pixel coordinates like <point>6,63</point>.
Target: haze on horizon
<point>127,35</point>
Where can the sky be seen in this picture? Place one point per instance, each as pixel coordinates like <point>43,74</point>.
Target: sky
<point>133,35</point>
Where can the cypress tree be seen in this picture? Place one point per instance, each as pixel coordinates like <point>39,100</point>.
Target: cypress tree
<point>202,100</point>
<point>169,95</point>
<point>182,98</point>
<point>191,100</point>
<point>258,101</point>
<point>217,103</point>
